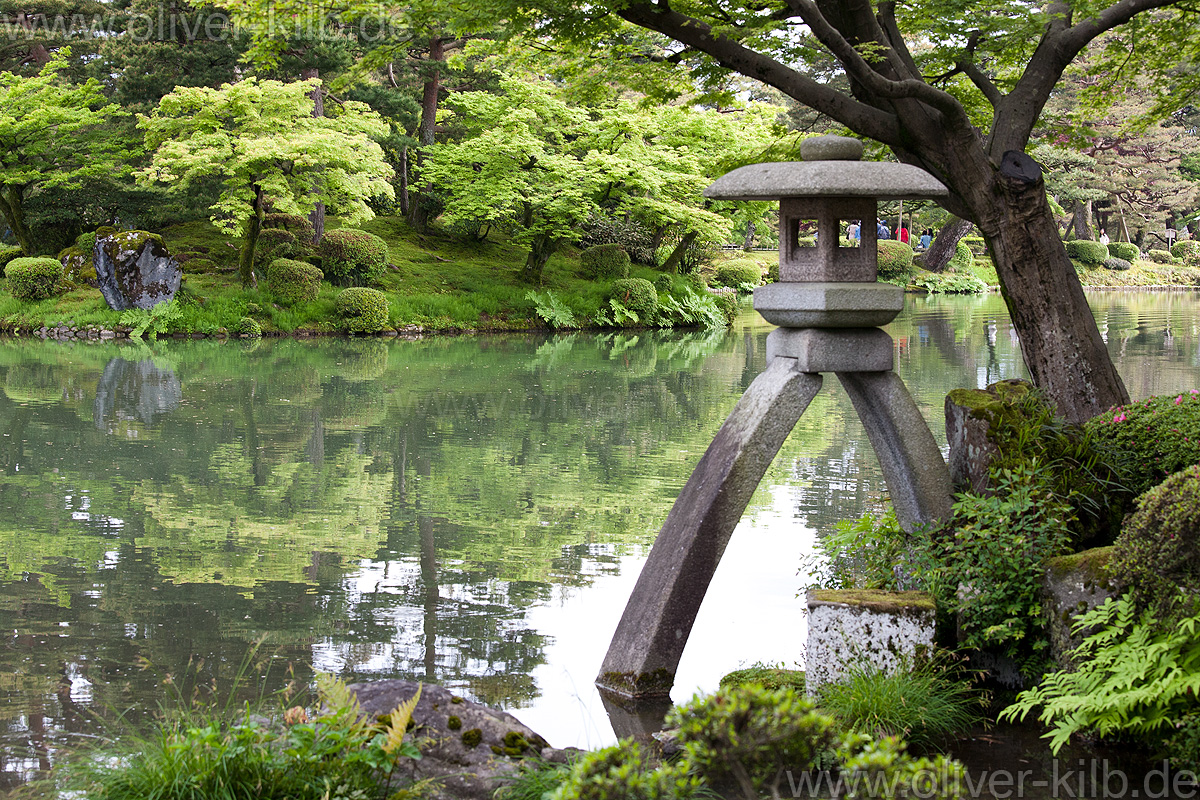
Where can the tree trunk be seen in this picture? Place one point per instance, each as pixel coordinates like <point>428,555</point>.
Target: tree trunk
<point>253,229</point>
<point>317,215</point>
<point>418,215</point>
<point>404,204</point>
<point>1060,342</point>
<point>539,253</point>
<point>1082,223</point>
<point>671,265</point>
<point>11,206</point>
<point>945,244</point>
<point>748,241</point>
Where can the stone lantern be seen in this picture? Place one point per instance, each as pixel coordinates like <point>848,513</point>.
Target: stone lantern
<point>828,305</point>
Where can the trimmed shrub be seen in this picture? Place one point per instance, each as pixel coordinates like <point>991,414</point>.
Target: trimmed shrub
<point>33,278</point>
<point>638,295</point>
<point>737,272</point>
<point>362,310</point>
<point>895,259</point>
<point>1087,251</point>
<point>1188,250</point>
<point>7,253</point>
<point>1151,439</point>
<point>246,326</point>
<point>274,243</point>
<point>298,226</point>
<point>295,281</point>
<point>727,303</point>
<point>1158,552</point>
<point>773,272</point>
<point>604,261</point>
<point>962,260</point>
<point>1160,257</point>
<point>350,257</point>
<point>1117,264</point>
<point>625,770</point>
<point>1126,250</point>
<point>634,238</point>
<point>663,283</point>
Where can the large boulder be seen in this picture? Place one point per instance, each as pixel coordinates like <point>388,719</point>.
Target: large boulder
<point>467,748</point>
<point>134,270</point>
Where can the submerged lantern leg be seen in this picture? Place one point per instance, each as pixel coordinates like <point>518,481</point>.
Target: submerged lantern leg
<point>645,651</point>
<point>917,477</point>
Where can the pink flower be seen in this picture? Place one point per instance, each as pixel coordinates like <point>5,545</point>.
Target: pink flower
<point>1119,418</point>
<point>1179,400</point>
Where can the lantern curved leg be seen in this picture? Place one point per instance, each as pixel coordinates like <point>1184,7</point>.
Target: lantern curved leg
<point>917,477</point>
<point>645,650</point>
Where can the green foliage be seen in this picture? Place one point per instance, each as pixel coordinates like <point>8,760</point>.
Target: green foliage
<point>553,311</point>
<point>8,252</point>
<point>624,772</point>
<point>159,319</point>
<point>751,735</point>
<point>950,283</point>
<point>861,553</point>
<point>1117,264</point>
<point>1126,250</point>
<point>1187,250</point>
<point>34,278</point>
<point>882,769</point>
<point>1160,257</point>
<point>362,310</point>
<point>963,259</point>
<point>1134,676</point>
<point>768,676</point>
<point>895,260</point>
<point>247,326</point>
<point>294,281</point>
<point>638,295</point>
<point>1090,253</point>
<point>1183,746</point>
<point>275,243</point>
<point>738,272</point>
<point>688,307</point>
<point>604,262</point>
<point>298,226</point>
<point>535,780</point>
<point>922,702</point>
<point>351,257</point>
<point>628,234</point>
<point>987,566</point>
<point>1157,554</point>
<point>1148,440</point>
<point>727,301</point>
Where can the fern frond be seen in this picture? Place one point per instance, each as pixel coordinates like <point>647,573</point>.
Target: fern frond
<point>398,723</point>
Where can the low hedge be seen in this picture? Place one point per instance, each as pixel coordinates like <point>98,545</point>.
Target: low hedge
<point>638,295</point>
<point>736,272</point>
<point>298,226</point>
<point>7,253</point>
<point>895,259</point>
<point>350,257</point>
<point>33,278</point>
<point>1087,251</point>
<point>604,261</point>
<point>1160,257</point>
<point>1117,264</point>
<point>1188,250</point>
<point>363,310</point>
<point>1148,440</point>
<point>1126,250</point>
<point>295,281</point>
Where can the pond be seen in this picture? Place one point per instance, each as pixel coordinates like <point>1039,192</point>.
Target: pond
<point>468,511</point>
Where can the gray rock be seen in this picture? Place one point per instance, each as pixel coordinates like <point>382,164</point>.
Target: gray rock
<point>841,350</point>
<point>772,181</point>
<point>831,148</point>
<point>134,270</point>
<point>829,305</point>
<point>1074,585</point>
<point>470,749</point>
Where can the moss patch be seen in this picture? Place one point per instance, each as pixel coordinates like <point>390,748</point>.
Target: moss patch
<point>1092,564</point>
<point>471,738</point>
<point>766,676</point>
<point>647,684</point>
<point>875,600</point>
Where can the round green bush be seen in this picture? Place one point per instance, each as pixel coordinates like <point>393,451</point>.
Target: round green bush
<point>895,259</point>
<point>962,260</point>
<point>351,257</point>
<point>362,310</point>
<point>247,326</point>
<point>737,272</point>
<point>1188,250</point>
<point>1126,250</point>
<point>664,283</point>
<point>630,235</point>
<point>604,261</point>
<point>298,226</point>
<point>7,253</point>
<point>33,278</point>
<point>1089,252</point>
<point>638,295</point>
<point>1148,440</point>
<point>271,241</point>
<point>1117,264</point>
<point>625,771</point>
<point>727,303</point>
<point>1158,551</point>
<point>1160,257</point>
<point>296,281</point>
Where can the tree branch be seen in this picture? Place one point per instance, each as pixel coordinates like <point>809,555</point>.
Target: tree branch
<point>859,117</point>
<point>982,82</point>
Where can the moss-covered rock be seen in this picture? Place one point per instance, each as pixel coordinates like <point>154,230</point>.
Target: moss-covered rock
<point>767,677</point>
<point>1074,584</point>
<point>350,257</point>
<point>362,310</point>
<point>77,264</point>
<point>1157,554</point>
<point>604,262</point>
<point>34,278</point>
<point>135,270</point>
<point>246,326</point>
<point>639,296</point>
<point>294,281</point>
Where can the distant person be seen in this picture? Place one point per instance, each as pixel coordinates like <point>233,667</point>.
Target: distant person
<point>1103,237</point>
<point>853,231</point>
<point>902,234</point>
<point>926,238</point>
<point>882,231</point>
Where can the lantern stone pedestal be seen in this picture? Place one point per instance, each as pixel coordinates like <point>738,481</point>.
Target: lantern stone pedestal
<point>828,305</point>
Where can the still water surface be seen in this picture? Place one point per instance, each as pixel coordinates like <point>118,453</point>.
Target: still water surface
<point>466,511</point>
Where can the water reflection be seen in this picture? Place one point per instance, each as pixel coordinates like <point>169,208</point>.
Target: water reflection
<point>466,511</point>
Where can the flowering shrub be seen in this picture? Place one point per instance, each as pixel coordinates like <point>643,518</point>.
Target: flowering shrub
<point>1148,440</point>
